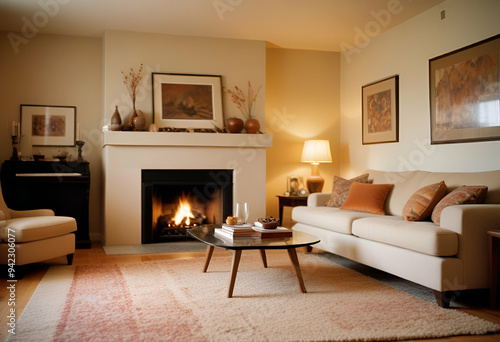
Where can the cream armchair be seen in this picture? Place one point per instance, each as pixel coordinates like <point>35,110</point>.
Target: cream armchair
<point>34,235</point>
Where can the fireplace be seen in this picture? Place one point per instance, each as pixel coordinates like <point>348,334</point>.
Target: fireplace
<point>174,200</point>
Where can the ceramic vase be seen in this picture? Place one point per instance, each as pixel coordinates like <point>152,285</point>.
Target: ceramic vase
<point>116,120</point>
<point>252,126</point>
<point>234,125</point>
<point>139,121</point>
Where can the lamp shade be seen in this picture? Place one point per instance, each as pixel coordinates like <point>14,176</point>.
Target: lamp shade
<point>316,151</point>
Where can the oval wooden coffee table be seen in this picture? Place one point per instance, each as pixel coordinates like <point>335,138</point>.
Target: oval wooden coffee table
<point>206,235</point>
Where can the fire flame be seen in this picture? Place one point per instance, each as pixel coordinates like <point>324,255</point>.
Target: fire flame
<point>184,211</point>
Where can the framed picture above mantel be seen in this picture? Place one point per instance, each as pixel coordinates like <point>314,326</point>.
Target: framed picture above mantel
<point>380,103</point>
<point>464,94</point>
<point>187,101</point>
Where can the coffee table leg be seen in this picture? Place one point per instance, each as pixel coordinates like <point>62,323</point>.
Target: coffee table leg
<point>208,256</point>
<point>292,253</point>
<point>234,270</point>
<point>263,256</point>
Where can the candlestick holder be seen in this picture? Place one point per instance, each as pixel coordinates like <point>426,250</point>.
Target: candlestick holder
<point>15,155</point>
<point>80,144</point>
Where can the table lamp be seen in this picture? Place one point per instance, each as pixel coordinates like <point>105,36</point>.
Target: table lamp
<point>316,151</point>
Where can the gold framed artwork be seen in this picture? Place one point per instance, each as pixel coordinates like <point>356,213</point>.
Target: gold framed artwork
<point>187,101</point>
<point>48,125</point>
<point>464,94</point>
<point>380,107</point>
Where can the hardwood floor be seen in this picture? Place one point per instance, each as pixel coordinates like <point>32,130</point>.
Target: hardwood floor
<point>26,286</point>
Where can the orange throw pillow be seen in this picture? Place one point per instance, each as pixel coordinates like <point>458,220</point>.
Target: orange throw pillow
<point>341,188</point>
<point>368,198</point>
<point>462,195</point>
<point>421,203</point>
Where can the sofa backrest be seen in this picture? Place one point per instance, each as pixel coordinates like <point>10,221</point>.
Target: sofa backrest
<point>407,182</point>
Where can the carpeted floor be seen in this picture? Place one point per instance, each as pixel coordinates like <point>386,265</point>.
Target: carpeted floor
<point>173,300</point>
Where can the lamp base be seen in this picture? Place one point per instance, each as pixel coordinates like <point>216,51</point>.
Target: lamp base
<point>315,184</point>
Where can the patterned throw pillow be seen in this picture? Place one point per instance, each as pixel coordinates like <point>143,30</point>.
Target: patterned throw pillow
<point>420,205</point>
<point>341,188</point>
<point>462,195</point>
<point>368,198</point>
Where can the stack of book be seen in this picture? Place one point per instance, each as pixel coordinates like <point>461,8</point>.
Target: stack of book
<point>236,231</point>
<point>249,231</point>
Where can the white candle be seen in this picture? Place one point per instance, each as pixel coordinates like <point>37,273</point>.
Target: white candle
<point>78,132</point>
<point>14,129</point>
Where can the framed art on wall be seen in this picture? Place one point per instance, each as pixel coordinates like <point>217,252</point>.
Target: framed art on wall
<point>380,107</point>
<point>49,125</point>
<point>187,101</point>
<point>464,94</point>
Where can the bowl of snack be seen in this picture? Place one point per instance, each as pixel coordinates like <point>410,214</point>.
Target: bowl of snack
<point>232,220</point>
<point>267,223</point>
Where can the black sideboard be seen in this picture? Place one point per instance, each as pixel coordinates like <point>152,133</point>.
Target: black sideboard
<point>61,186</point>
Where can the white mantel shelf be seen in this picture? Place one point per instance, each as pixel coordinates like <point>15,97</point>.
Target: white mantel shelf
<point>241,140</point>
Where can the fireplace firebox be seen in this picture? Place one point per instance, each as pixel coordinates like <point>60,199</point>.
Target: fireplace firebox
<point>175,200</point>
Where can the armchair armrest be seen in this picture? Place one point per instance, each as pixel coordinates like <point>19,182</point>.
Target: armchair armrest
<point>31,213</point>
<point>318,199</point>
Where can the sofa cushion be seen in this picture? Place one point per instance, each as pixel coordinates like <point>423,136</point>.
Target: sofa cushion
<point>333,219</point>
<point>341,188</point>
<point>462,195</point>
<point>37,228</point>
<point>407,182</point>
<point>369,198</point>
<point>423,237</point>
<point>421,203</point>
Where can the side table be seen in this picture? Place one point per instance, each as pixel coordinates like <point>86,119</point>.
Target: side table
<point>494,252</point>
<point>290,201</point>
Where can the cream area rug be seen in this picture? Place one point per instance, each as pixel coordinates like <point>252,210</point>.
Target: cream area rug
<point>173,300</point>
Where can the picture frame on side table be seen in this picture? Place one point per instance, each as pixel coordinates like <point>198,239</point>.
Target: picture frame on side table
<point>380,107</point>
<point>464,94</point>
<point>49,125</point>
<point>187,101</point>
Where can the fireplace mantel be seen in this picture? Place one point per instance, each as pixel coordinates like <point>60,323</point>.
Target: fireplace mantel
<point>111,138</point>
<point>126,154</point>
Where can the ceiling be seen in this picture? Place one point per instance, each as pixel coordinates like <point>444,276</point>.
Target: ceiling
<point>297,24</point>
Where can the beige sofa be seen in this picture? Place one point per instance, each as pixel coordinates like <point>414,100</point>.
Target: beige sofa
<point>447,258</point>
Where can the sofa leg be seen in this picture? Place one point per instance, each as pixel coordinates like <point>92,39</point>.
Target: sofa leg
<point>443,299</point>
<point>69,257</point>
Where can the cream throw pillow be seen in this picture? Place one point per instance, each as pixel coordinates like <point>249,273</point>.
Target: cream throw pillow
<point>341,188</point>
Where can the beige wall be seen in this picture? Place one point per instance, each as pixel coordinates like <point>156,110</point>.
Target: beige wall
<point>302,102</point>
<point>406,50</point>
<point>237,61</point>
<point>56,70</point>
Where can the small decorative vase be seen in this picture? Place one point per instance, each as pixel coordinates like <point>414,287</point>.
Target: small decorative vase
<point>132,117</point>
<point>252,126</point>
<point>116,120</point>
<point>139,121</point>
<point>234,125</point>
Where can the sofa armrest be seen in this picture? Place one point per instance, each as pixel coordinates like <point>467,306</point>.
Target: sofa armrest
<point>318,199</point>
<point>471,222</point>
<point>31,213</point>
